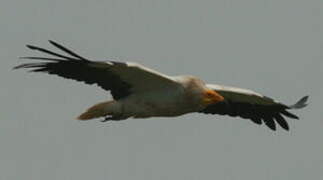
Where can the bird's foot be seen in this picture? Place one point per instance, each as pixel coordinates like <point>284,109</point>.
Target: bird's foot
<point>107,118</point>
<point>113,118</point>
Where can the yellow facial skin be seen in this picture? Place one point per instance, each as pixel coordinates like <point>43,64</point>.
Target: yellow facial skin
<point>212,97</point>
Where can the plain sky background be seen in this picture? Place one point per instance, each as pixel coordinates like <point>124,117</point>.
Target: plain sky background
<point>273,47</point>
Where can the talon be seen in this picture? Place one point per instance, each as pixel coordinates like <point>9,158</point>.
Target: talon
<point>113,118</point>
<point>107,119</point>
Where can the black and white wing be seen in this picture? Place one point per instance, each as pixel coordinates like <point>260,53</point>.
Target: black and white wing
<point>122,79</point>
<point>254,106</point>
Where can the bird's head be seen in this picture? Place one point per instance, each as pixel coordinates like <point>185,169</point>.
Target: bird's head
<point>211,97</point>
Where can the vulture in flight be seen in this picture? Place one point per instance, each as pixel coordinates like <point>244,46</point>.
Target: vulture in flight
<point>140,92</point>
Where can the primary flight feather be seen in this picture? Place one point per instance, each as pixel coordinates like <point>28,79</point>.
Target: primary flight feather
<point>140,92</point>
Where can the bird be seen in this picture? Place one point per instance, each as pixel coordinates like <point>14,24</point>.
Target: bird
<point>140,92</point>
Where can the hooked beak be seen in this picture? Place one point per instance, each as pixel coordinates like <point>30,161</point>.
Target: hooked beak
<point>212,97</point>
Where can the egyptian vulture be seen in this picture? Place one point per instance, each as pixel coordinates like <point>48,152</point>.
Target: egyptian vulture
<point>140,92</point>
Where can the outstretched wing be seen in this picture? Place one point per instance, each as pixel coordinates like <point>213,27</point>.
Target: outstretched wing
<point>121,78</point>
<point>254,106</point>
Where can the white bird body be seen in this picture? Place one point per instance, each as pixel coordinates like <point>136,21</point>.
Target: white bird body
<point>171,101</point>
<point>140,92</point>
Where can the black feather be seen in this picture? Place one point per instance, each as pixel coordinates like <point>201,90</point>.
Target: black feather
<point>281,121</point>
<point>48,52</point>
<point>256,112</point>
<point>269,121</point>
<point>68,51</point>
<point>78,68</point>
<point>288,114</point>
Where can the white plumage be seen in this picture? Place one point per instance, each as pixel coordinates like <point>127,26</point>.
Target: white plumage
<point>140,92</point>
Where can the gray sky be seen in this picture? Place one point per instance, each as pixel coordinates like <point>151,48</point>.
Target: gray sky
<point>273,47</point>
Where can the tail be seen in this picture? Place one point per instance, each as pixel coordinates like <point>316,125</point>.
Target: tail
<point>96,111</point>
<point>300,104</point>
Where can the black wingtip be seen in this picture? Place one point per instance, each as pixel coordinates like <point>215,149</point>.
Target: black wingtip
<point>300,104</point>
<point>66,50</point>
<point>16,67</point>
<point>281,121</point>
<point>31,46</point>
<point>53,42</point>
<point>23,66</point>
<point>51,52</point>
<point>27,57</point>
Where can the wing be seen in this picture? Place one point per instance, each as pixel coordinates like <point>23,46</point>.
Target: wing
<point>254,106</point>
<point>122,79</point>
